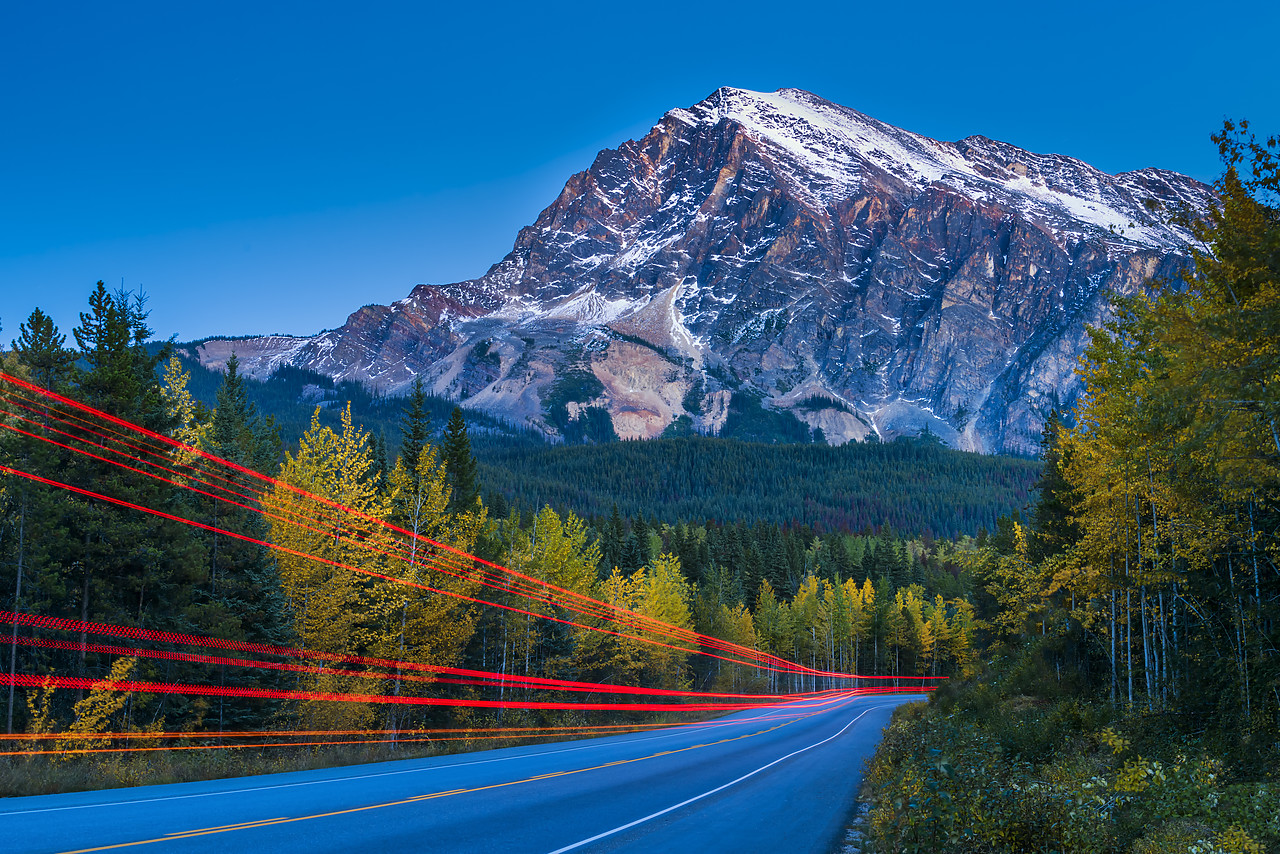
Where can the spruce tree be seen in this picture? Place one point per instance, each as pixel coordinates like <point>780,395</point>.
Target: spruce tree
<point>459,463</point>
<point>125,566</point>
<point>415,427</point>
<point>612,542</point>
<point>122,371</point>
<point>1051,515</point>
<point>42,349</point>
<point>633,554</point>
<point>380,469</point>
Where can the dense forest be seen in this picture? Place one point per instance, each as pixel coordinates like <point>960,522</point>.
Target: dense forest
<point>224,535</point>
<point>1132,623</point>
<point>912,485</point>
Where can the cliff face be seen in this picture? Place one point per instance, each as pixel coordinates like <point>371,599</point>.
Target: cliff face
<point>862,277</point>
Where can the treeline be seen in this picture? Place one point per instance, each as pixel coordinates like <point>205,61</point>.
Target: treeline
<point>63,556</point>
<point>872,603</point>
<point>1135,615</point>
<point>914,486</point>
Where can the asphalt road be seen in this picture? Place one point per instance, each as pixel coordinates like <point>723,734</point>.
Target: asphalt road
<point>777,779</point>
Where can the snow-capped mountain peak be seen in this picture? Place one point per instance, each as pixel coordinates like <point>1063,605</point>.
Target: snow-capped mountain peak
<point>781,248</point>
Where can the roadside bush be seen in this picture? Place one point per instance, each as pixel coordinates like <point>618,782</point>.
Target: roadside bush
<point>977,771</point>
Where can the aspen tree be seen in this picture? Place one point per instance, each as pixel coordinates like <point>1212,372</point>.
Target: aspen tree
<point>330,520</point>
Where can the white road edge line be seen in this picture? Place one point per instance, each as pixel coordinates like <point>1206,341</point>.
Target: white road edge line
<point>706,794</point>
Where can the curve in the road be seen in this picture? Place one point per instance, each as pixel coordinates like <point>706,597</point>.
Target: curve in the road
<point>785,780</point>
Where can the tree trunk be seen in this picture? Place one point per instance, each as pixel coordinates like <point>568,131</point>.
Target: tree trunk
<point>17,604</point>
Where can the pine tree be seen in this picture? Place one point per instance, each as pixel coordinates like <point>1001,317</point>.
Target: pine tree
<point>43,350</point>
<point>415,426</point>
<point>459,462</point>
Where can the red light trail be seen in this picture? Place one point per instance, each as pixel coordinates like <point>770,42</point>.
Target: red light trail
<point>475,677</point>
<point>789,666</point>
<point>522,590</point>
<point>84,683</point>
<point>134,449</point>
<point>633,620</point>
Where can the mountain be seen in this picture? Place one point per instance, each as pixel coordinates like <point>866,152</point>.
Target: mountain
<point>777,250</point>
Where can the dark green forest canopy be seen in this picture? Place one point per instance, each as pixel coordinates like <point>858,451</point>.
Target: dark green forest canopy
<point>914,487</point>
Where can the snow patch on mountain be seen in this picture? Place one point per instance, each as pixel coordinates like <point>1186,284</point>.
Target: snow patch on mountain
<point>866,279</point>
<point>826,148</point>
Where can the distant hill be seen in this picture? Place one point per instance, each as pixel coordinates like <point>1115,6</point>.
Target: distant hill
<point>291,395</point>
<point>914,486</point>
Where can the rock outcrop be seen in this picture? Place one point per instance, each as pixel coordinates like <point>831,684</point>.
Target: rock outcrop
<point>864,278</point>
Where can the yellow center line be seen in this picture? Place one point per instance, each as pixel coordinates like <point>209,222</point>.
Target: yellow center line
<point>183,834</point>
<point>189,834</point>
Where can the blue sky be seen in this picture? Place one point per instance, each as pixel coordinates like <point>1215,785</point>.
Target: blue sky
<point>272,169</point>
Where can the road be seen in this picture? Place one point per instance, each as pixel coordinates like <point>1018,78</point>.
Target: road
<point>776,779</point>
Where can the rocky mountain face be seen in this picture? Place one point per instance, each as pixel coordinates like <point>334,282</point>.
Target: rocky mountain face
<point>864,278</point>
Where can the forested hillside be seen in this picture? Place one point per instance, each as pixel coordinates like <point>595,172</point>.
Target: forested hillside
<point>917,487</point>
<point>1132,702</point>
<point>913,486</point>
<point>290,397</point>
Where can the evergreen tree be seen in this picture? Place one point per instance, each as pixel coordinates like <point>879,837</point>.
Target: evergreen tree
<point>107,563</point>
<point>459,463</point>
<point>415,426</point>
<point>612,542</point>
<point>243,599</point>
<point>633,553</point>
<point>379,471</point>
<point>1051,516</point>
<point>638,543</point>
<point>122,371</point>
<point>43,350</point>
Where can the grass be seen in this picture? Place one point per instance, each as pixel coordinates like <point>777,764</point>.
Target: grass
<point>49,775</point>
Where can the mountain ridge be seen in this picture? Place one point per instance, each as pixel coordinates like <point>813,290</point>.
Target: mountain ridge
<point>780,245</point>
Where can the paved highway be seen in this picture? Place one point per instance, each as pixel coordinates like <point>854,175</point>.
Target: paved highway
<point>777,779</point>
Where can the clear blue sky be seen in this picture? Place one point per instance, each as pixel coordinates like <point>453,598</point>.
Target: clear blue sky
<point>270,167</point>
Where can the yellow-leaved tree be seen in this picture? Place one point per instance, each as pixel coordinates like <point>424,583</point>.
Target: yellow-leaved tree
<point>325,515</point>
<point>181,406</point>
<point>666,596</point>
<point>410,621</point>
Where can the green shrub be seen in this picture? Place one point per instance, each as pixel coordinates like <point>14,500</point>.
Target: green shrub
<point>979,769</point>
